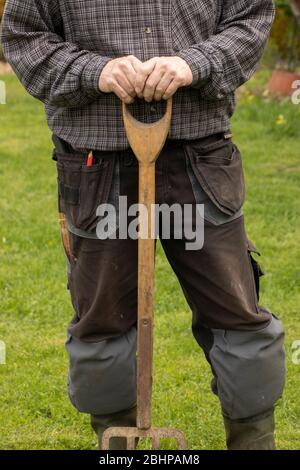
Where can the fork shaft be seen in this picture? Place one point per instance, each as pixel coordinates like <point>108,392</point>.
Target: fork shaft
<point>146,262</point>
<point>146,141</point>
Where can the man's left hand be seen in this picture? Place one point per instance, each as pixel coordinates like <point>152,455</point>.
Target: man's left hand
<point>166,76</point>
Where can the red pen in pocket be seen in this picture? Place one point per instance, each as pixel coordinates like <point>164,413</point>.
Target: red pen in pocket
<point>90,159</point>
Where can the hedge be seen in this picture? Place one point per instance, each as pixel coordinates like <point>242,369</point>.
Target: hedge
<point>1,8</point>
<point>285,34</point>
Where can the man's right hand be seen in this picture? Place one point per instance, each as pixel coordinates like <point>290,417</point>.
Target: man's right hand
<point>118,76</point>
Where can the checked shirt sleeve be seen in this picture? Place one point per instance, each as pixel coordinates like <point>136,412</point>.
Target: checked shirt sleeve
<point>52,70</point>
<point>229,58</point>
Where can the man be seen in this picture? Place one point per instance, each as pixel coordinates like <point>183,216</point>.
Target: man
<point>82,58</point>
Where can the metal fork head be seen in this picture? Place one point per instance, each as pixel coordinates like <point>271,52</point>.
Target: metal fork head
<point>131,434</point>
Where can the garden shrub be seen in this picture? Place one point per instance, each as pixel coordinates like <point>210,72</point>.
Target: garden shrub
<point>285,35</point>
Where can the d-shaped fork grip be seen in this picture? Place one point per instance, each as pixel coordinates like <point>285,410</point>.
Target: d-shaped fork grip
<point>147,140</point>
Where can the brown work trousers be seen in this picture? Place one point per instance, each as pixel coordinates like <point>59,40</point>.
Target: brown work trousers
<point>220,280</point>
<point>241,339</point>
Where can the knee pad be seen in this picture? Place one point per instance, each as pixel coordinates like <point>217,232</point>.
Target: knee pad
<point>102,375</point>
<point>249,369</point>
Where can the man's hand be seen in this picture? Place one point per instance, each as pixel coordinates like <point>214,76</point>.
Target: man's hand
<point>119,75</point>
<point>161,77</point>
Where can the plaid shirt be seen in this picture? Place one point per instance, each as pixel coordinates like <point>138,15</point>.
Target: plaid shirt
<point>58,49</point>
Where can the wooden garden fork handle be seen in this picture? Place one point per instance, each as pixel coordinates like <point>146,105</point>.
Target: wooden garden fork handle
<point>146,141</point>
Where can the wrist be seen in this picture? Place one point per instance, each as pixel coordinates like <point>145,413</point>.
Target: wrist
<point>198,63</point>
<point>102,81</point>
<point>92,72</point>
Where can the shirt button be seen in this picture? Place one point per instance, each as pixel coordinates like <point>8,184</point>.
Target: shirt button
<point>148,30</point>
<point>153,109</point>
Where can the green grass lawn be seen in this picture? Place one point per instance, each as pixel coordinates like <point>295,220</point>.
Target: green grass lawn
<point>35,412</point>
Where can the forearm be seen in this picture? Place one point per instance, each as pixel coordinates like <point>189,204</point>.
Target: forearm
<point>229,58</point>
<point>52,70</point>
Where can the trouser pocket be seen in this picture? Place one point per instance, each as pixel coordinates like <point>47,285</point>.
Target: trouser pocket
<point>83,188</point>
<point>217,166</point>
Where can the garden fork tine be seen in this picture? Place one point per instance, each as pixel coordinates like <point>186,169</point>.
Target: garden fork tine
<point>146,141</point>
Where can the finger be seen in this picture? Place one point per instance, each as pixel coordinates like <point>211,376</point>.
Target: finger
<point>142,75</point>
<point>121,93</point>
<point>152,82</point>
<point>135,62</point>
<point>137,66</point>
<point>125,76</point>
<point>162,87</point>
<point>171,90</point>
<point>124,82</point>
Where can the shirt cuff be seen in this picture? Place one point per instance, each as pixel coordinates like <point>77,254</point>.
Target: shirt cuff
<point>198,63</point>
<point>91,74</point>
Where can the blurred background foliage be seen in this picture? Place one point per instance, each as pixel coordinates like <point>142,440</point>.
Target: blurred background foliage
<point>1,7</point>
<point>284,44</point>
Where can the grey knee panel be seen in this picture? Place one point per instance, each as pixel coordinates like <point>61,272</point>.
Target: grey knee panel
<point>249,369</point>
<point>102,375</point>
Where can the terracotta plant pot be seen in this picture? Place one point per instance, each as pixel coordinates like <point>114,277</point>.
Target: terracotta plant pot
<point>281,83</point>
